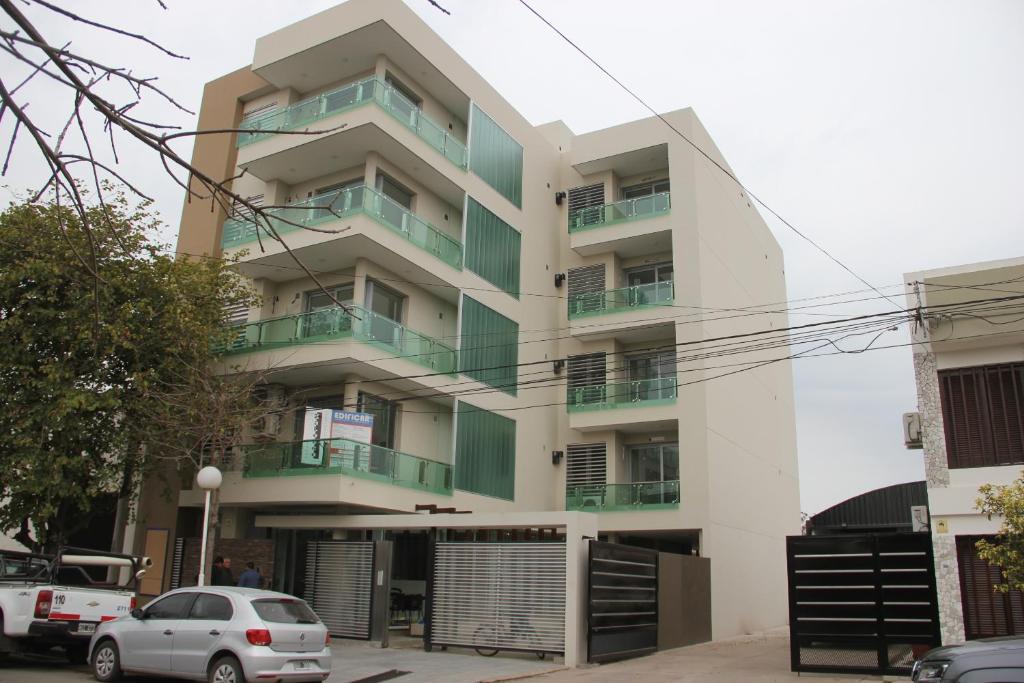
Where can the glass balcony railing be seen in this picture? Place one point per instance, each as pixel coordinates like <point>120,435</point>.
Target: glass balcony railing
<point>307,112</point>
<point>345,202</point>
<point>645,392</point>
<point>622,299</point>
<point>645,495</point>
<point>619,212</point>
<point>342,456</point>
<point>335,323</point>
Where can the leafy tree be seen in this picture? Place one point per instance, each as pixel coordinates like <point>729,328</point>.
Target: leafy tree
<point>94,326</point>
<point>1007,552</point>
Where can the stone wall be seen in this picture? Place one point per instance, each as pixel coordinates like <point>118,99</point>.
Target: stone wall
<point>240,550</point>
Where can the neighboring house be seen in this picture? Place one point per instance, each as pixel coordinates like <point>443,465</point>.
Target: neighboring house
<point>969,366</point>
<point>896,508</point>
<point>528,309</point>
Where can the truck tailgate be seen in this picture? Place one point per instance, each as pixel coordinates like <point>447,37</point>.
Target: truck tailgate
<point>89,604</point>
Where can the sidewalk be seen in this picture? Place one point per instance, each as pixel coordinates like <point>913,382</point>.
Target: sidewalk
<point>760,658</point>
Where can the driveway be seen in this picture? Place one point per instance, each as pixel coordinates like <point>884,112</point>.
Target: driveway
<point>761,658</point>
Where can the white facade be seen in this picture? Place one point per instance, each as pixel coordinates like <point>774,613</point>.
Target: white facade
<point>973,318</point>
<point>691,462</point>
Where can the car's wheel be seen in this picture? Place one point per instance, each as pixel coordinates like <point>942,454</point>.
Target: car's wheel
<point>226,670</point>
<point>77,653</point>
<point>106,661</point>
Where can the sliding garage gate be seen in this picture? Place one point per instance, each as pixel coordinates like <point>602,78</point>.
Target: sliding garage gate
<point>339,583</point>
<point>499,596</point>
<point>622,610</point>
<point>861,603</point>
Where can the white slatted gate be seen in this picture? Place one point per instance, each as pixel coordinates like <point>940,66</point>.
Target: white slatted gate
<point>339,582</point>
<point>502,596</point>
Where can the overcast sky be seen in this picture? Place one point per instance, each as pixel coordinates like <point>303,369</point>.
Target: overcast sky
<point>889,132</point>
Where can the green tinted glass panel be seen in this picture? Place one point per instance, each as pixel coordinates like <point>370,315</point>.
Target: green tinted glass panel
<point>490,346</point>
<point>485,452</point>
<point>495,157</point>
<point>492,248</point>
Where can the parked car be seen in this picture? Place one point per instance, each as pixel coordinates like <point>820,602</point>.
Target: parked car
<point>60,600</point>
<point>220,634</point>
<point>989,660</point>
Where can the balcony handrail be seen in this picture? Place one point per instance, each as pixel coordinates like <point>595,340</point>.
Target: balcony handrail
<point>345,456</point>
<point>345,202</point>
<point>334,323</point>
<point>349,96</point>
<point>621,394</point>
<point>622,299</point>
<point>623,496</point>
<point>617,212</point>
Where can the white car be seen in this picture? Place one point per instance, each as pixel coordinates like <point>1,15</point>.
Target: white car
<point>220,634</point>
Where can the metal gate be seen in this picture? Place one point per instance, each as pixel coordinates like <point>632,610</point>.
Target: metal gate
<point>499,596</point>
<point>622,606</point>
<point>339,585</point>
<point>861,603</point>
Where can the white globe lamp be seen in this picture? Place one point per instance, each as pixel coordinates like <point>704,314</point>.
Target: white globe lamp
<point>209,479</point>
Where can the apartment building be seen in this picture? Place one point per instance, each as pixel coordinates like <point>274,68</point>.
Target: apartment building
<point>533,318</point>
<point>969,367</point>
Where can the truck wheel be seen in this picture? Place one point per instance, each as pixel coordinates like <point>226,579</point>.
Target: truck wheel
<point>106,661</point>
<point>77,653</point>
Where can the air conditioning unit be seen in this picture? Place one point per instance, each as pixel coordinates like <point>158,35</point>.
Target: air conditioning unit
<point>267,427</point>
<point>912,430</point>
<point>275,397</point>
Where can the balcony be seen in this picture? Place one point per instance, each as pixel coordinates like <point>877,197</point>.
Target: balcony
<point>633,394</point>
<point>335,323</point>
<point>345,457</point>
<point>619,212</point>
<point>304,114</point>
<point>621,300</point>
<point>647,495</point>
<point>340,204</point>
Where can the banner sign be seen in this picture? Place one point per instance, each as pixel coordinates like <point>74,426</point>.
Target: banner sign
<point>321,425</point>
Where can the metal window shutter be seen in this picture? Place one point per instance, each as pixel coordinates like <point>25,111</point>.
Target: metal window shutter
<point>987,613</point>
<point>239,210</point>
<point>583,197</point>
<point>256,112</point>
<point>509,596</point>
<point>983,415</point>
<point>586,464</point>
<point>485,452</point>
<point>339,581</point>
<point>586,280</point>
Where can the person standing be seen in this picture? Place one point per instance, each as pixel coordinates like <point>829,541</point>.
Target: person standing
<point>250,578</point>
<point>221,574</point>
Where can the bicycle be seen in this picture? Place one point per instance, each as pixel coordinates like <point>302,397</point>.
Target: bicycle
<point>518,630</point>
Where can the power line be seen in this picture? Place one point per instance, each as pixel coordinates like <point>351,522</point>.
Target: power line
<point>707,156</point>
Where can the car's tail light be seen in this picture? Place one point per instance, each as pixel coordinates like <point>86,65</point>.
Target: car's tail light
<point>327,639</point>
<point>258,636</point>
<point>43,600</point>
<point>133,604</point>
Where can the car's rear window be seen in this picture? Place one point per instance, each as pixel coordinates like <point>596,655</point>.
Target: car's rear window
<point>284,611</point>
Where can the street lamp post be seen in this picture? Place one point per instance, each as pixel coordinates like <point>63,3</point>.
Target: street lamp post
<point>209,479</point>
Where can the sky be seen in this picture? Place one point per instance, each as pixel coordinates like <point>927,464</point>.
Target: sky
<point>889,133</point>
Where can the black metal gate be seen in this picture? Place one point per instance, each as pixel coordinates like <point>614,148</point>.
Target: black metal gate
<point>622,609</point>
<point>861,603</point>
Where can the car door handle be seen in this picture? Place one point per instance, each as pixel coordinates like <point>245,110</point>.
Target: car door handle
<point>214,632</point>
<point>168,632</point>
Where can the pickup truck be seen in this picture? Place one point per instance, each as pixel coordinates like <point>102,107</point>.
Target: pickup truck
<point>58,600</point>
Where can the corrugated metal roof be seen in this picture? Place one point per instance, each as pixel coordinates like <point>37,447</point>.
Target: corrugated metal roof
<point>884,509</point>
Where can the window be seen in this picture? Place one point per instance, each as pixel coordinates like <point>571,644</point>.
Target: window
<point>384,416</point>
<point>212,607</point>
<point>587,376</point>
<point>495,157</point>
<point>323,317</point>
<point>404,102</point>
<point>318,300</point>
<point>645,189</point>
<point>284,611</point>
<point>647,275</point>
<point>393,191</point>
<point>172,607</point>
<point>654,375</point>
<point>489,349</point>
<point>492,248</point>
<point>983,415</point>
<point>585,464</point>
<point>655,462</point>
<point>485,452</point>
<point>384,325</point>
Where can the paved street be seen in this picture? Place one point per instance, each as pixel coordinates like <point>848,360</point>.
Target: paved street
<point>762,658</point>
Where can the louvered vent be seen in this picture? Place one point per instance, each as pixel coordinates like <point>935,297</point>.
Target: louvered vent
<point>583,197</point>
<point>586,280</point>
<point>587,373</point>
<point>585,464</point>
